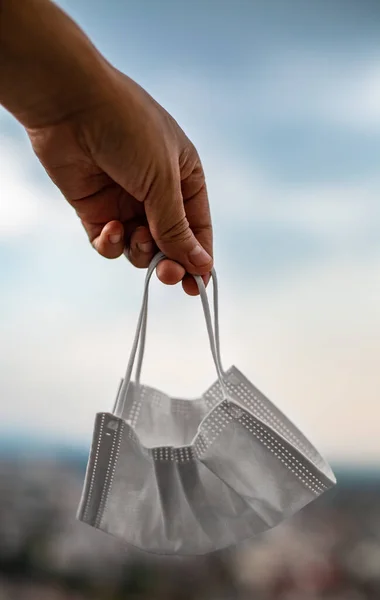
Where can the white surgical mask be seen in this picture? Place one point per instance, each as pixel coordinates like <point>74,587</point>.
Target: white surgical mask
<point>176,476</point>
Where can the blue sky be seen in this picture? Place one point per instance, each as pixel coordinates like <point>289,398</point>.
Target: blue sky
<point>282,100</point>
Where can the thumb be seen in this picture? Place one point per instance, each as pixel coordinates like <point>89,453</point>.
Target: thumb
<point>174,235</point>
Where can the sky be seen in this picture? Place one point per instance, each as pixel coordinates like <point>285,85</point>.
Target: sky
<point>282,100</point>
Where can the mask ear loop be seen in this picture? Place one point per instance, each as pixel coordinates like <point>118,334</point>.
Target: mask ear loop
<point>213,335</point>
<point>216,330</point>
<point>140,335</point>
<point>124,386</point>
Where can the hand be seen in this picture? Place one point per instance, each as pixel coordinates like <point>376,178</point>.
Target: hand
<point>123,163</point>
<point>134,179</point>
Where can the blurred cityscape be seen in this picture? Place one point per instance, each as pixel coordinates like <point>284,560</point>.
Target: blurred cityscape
<point>331,550</point>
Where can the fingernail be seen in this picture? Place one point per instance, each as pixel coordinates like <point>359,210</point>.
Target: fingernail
<point>146,247</point>
<point>206,278</point>
<point>115,238</point>
<point>199,257</point>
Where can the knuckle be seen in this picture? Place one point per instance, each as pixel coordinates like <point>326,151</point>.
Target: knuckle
<point>99,248</point>
<point>161,179</point>
<point>179,231</point>
<point>189,160</point>
<point>137,259</point>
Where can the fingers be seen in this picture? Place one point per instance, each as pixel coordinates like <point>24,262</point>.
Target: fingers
<point>184,237</point>
<point>110,242</point>
<point>170,272</point>
<point>141,251</point>
<point>141,247</point>
<point>190,285</point>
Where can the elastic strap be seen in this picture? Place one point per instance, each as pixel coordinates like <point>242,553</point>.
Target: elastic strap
<point>142,341</point>
<point>140,334</point>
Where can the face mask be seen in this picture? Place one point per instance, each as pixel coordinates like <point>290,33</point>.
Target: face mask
<point>175,476</point>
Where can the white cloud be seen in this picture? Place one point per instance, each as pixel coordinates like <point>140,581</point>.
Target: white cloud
<point>359,99</point>
<point>21,208</point>
<point>291,87</point>
<point>26,206</point>
<point>336,91</point>
<point>338,217</point>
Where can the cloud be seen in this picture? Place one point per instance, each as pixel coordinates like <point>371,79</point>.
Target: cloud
<point>27,204</point>
<point>358,100</point>
<point>302,87</point>
<point>338,91</point>
<point>21,208</point>
<point>335,215</point>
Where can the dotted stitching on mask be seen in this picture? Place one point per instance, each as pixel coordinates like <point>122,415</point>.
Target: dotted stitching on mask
<point>213,426</point>
<point>221,417</point>
<point>184,453</point>
<point>224,414</point>
<point>132,435</point>
<point>169,453</point>
<point>94,469</point>
<point>213,395</point>
<point>113,460</point>
<point>257,406</point>
<point>293,464</point>
<point>136,406</point>
<point>162,453</point>
<point>156,397</point>
<point>200,445</point>
<point>110,472</point>
<point>181,407</point>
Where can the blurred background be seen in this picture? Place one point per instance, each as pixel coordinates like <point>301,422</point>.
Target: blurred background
<point>282,100</point>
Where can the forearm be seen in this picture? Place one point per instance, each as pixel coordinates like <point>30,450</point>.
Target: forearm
<point>49,69</point>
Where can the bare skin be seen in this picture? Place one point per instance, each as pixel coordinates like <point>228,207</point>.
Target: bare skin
<point>123,163</point>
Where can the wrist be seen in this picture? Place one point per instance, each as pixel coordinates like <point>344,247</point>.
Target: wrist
<point>49,70</point>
